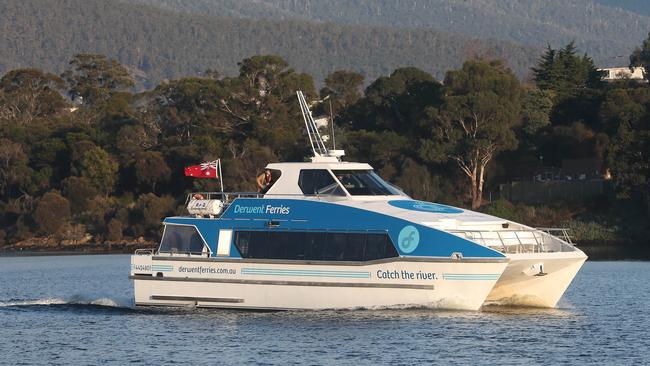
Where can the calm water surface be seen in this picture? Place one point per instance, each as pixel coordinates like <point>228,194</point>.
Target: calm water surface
<point>79,310</point>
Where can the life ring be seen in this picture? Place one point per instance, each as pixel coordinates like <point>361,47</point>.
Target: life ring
<point>197,196</point>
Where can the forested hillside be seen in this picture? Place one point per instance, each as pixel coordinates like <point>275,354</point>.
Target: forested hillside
<point>85,159</point>
<point>155,44</point>
<point>602,28</point>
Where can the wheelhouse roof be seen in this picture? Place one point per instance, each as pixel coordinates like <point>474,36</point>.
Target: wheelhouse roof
<point>320,165</point>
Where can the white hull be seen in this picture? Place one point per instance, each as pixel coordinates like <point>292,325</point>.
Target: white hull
<point>255,285</point>
<point>524,283</point>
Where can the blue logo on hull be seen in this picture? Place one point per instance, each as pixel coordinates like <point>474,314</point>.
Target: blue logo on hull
<point>408,239</point>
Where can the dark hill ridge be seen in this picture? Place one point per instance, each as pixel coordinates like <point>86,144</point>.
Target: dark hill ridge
<point>603,28</point>
<point>158,44</point>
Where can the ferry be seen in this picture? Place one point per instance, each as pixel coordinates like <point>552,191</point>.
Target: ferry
<point>331,234</point>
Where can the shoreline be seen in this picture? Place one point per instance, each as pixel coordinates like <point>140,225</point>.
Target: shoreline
<point>47,247</point>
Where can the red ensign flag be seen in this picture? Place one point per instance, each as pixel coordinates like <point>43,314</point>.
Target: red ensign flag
<point>203,170</point>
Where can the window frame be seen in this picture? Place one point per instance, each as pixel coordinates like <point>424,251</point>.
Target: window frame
<point>325,240</point>
<point>335,184</point>
<point>387,186</point>
<point>206,248</point>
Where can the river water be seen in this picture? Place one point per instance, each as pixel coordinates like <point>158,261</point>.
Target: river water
<point>79,310</point>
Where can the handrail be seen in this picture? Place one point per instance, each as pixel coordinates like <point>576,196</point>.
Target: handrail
<point>515,240</point>
<point>145,251</point>
<point>175,253</point>
<point>563,231</point>
<point>228,195</point>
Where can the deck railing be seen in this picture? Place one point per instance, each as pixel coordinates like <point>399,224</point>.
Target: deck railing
<point>228,197</point>
<point>148,251</point>
<point>521,240</point>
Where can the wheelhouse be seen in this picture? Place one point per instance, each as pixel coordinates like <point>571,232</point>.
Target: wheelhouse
<point>340,179</point>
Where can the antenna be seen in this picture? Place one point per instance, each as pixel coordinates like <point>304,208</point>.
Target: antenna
<point>321,154</point>
<point>332,124</point>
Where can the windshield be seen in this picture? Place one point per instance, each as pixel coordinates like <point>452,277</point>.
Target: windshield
<point>365,183</point>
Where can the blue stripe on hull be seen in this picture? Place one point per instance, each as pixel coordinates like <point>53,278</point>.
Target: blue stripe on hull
<point>303,273</point>
<point>471,276</point>
<point>307,215</point>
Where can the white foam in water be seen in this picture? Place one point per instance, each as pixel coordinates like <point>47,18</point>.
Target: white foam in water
<point>105,302</point>
<point>51,301</point>
<point>442,304</point>
<point>75,300</point>
<point>519,300</point>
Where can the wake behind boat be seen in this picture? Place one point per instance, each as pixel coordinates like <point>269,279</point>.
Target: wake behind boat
<point>329,234</point>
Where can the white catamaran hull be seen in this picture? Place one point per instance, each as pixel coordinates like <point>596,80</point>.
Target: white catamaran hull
<point>536,279</point>
<point>250,285</point>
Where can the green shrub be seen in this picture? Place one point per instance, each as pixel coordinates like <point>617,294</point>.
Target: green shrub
<point>52,213</point>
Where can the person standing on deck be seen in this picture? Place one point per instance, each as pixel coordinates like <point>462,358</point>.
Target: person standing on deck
<point>264,181</point>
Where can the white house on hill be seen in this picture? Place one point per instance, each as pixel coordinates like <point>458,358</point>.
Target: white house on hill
<point>622,73</point>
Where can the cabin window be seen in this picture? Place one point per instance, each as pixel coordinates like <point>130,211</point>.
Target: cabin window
<point>181,239</point>
<point>364,183</point>
<point>254,249</point>
<point>377,246</point>
<point>317,246</point>
<point>318,182</point>
<point>314,245</point>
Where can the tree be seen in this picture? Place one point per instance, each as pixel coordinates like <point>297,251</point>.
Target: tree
<point>100,169</point>
<point>537,105</point>
<point>397,102</point>
<point>30,94</point>
<point>150,210</point>
<point>262,72</point>
<point>629,153</point>
<point>565,73</point>
<point>132,139</point>
<point>114,230</point>
<point>343,87</point>
<point>641,57</point>
<point>13,165</point>
<point>79,193</point>
<point>94,77</point>
<point>52,213</point>
<point>418,182</point>
<point>475,122</point>
<point>151,168</point>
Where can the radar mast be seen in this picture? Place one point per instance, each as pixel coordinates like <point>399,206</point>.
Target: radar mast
<point>321,153</point>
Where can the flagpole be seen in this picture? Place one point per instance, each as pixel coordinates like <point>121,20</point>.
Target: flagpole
<point>220,177</point>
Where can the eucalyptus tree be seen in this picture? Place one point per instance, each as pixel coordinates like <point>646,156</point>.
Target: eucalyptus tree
<point>481,107</point>
<point>344,88</point>
<point>30,94</point>
<point>95,77</point>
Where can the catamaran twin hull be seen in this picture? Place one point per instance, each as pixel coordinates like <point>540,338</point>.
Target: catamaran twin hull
<point>318,253</point>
